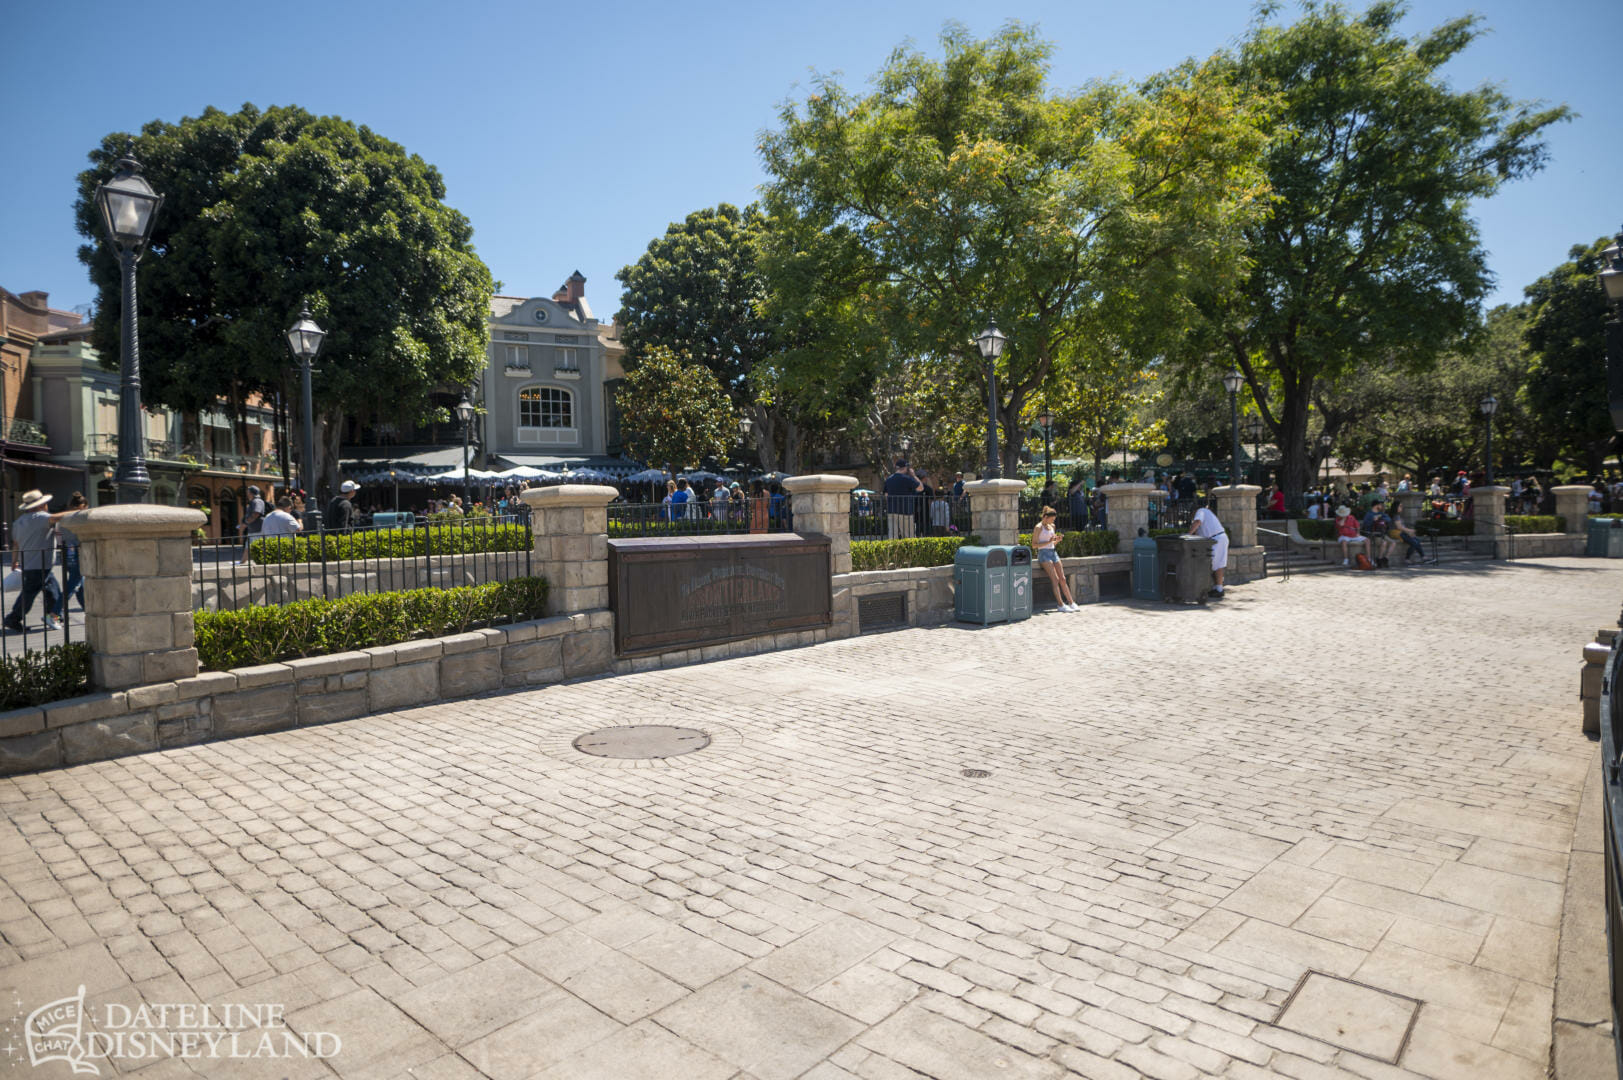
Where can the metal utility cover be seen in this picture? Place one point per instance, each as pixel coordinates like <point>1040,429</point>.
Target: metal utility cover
<point>646,742</point>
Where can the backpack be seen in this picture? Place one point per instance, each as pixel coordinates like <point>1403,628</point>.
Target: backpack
<point>1363,562</point>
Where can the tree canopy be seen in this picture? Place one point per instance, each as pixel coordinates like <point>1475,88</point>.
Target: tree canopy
<point>1367,251</point>
<point>971,190</point>
<point>1566,386</point>
<point>266,211</point>
<point>675,412</point>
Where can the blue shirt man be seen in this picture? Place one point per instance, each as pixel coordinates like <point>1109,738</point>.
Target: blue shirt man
<point>902,493</point>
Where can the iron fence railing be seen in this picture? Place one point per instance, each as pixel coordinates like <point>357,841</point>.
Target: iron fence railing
<point>898,517</point>
<point>42,598</point>
<point>230,574</point>
<point>702,515</point>
<point>1611,740</point>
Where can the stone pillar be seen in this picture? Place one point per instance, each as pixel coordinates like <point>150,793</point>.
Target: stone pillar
<point>995,509</point>
<point>822,504</point>
<point>1411,504</point>
<point>137,562</point>
<point>1488,512</point>
<point>1237,510</point>
<point>1127,510</point>
<point>570,524</point>
<point>1572,503</point>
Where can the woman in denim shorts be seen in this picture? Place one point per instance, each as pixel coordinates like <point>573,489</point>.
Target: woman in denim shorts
<point>1045,539</point>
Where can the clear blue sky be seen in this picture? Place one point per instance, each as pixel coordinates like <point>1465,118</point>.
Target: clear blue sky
<point>572,134</point>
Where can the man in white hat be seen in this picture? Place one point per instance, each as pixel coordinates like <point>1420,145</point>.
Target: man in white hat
<point>341,512</point>
<point>33,551</point>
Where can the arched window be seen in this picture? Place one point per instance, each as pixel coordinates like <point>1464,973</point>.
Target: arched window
<point>545,407</point>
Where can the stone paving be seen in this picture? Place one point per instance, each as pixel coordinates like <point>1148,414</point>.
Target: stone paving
<point>1312,830</point>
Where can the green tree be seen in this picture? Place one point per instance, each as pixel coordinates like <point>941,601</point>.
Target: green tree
<point>1566,387</point>
<point>675,412</point>
<point>972,190</point>
<point>1367,249</point>
<point>264,212</point>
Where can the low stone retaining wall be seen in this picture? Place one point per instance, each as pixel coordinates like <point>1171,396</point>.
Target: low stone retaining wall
<point>1548,545</point>
<point>229,586</point>
<point>299,693</point>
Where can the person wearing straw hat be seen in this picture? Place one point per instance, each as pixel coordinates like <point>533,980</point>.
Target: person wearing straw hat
<point>33,551</point>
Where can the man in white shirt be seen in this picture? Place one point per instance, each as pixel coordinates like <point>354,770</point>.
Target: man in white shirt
<point>1205,524</point>
<point>281,522</point>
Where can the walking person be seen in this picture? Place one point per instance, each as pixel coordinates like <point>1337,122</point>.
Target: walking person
<point>281,522</point>
<point>253,521</point>
<point>1205,524</point>
<point>74,588</point>
<point>1045,538</point>
<point>341,511</point>
<point>33,552</point>
<point>901,487</point>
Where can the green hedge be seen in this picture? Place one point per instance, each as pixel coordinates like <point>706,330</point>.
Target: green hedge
<point>1316,528</point>
<point>1536,523</point>
<point>395,543</point>
<point>264,635</point>
<point>899,554</point>
<point>41,676</point>
<point>1083,542</point>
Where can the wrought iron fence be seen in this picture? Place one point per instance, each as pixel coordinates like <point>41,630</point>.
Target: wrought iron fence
<point>702,515</point>
<point>899,517</point>
<point>42,597</point>
<point>230,574</point>
<point>1611,745</point>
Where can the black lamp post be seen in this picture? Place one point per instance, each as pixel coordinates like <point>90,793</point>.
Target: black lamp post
<point>1325,442</point>
<point>129,207</point>
<point>1254,429</point>
<point>304,337</point>
<point>1231,382</point>
<point>990,342</point>
<point>1489,405</point>
<point>395,480</point>
<point>465,411</point>
<point>5,433</point>
<point>1611,280</point>
<point>1045,420</point>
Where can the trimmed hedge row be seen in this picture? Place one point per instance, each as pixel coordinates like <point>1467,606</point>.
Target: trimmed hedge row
<point>1536,523</point>
<point>41,676</point>
<point>901,554</point>
<point>1082,542</point>
<point>265,635</point>
<point>394,543</point>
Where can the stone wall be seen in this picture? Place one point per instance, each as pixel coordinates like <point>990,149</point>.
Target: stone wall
<point>300,693</point>
<point>1547,545</point>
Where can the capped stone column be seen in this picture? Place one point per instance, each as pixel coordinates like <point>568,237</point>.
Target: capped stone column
<point>1237,510</point>
<point>1410,504</point>
<point>570,526</point>
<point>821,504</point>
<point>994,506</point>
<point>1127,510</point>
<point>1488,512</point>
<point>137,562</point>
<point>1572,503</point>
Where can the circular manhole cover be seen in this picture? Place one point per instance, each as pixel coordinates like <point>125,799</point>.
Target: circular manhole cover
<point>642,741</point>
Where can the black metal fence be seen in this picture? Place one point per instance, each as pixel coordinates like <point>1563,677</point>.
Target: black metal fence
<point>900,517</point>
<point>42,597</point>
<point>703,515</point>
<point>1611,739</point>
<point>447,553</point>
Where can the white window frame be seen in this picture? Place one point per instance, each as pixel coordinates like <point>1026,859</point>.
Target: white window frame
<point>542,434</point>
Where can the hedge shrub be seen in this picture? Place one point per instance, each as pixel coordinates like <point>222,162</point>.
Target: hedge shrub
<point>475,536</point>
<point>1082,542</point>
<point>265,635</point>
<point>41,676</point>
<point>1316,528</point>
<point>899,554</point>
<point>1536,523</point>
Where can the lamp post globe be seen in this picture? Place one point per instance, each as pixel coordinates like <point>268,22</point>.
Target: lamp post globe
<point>465,412</point>
<point>304,338</point>
<point>129,209</point>
<point>1231,382</point>
<point>1325,442</point>
<point>990,342</point>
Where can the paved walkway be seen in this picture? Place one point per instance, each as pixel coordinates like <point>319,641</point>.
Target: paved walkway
<point>1314,829</point>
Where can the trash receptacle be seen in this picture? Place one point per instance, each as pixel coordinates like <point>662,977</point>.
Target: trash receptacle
<point>1186,568</point>
<point>980,578</point>
<point>1019,583</point>
<point>1605,537</point>
<point>389,519</point>
<point>1146,568</point>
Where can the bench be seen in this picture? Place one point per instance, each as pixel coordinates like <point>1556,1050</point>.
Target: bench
<point>1294,538</point>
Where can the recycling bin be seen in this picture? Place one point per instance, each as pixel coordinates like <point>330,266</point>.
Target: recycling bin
<point>980,578</point>
<point>1186,568</point>
<point>390,519</point>
<point>1019,583</point>
<point>1146,568</point>
<point>1605,538</point>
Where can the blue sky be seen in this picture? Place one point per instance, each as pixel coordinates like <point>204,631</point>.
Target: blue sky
<point>571,135</point>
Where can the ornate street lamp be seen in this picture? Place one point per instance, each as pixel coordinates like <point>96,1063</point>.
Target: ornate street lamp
<point>465,411</point>
<point>1325,442</point>
<point>395,480</point>
<point>304,337</point>
<point>990,341</point>
<point>1611,281</point>
<point>129,207</point>
<point>1045,420</point>
<point>1231,382</point>
<point>1489,405</point>
<point>1254,429</point>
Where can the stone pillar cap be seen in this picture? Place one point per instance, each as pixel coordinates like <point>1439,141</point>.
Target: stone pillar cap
<point>1488,489</point>
<point>134,520</point>
<point>987,487</point>
<point>1584,488</point>
<point>819,482</point>
<point>567,495</point>
<point>1237,489</point>
<point>1126,489</point>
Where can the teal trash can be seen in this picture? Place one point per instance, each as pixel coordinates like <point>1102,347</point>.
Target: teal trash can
<point>980,578</point>
<point>1146,568</point>
<point>1019,583</point>
<point>1605,538</point>
<point>389,519</point>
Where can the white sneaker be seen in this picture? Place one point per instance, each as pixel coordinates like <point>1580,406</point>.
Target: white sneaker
<point>53,622</point>
<point>1069,607</point>
<point>1345,562</point>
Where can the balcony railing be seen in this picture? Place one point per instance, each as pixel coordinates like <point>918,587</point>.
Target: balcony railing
<point>23,432</point>
<point>186,454</point>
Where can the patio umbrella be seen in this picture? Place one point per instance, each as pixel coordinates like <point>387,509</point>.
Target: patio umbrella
<point>526,472</point>
<point>772,477</point>
<point>647,476</point>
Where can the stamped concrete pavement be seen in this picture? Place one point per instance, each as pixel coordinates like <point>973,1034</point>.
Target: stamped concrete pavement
<point>1320,829</point>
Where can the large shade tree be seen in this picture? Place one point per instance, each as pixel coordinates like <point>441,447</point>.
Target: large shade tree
<point>1566,387</point>
<point>266,211</point>
<point>974,191</point>
<point>1368,250</point>
<point>675,413</point>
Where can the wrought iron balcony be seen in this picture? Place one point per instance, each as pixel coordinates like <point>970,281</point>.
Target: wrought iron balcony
<point>23,432</point>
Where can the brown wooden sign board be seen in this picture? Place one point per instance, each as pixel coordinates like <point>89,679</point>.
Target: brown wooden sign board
<point>683,592</point>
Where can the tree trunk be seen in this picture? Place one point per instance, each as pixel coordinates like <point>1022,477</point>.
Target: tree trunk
<point>766,436</point>
<point>1296,464</point>
<point>791,447</point>
<point>329,436</point>
<point>1013,436</point>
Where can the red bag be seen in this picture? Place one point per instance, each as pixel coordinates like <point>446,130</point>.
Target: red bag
<point>1363,562</point>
